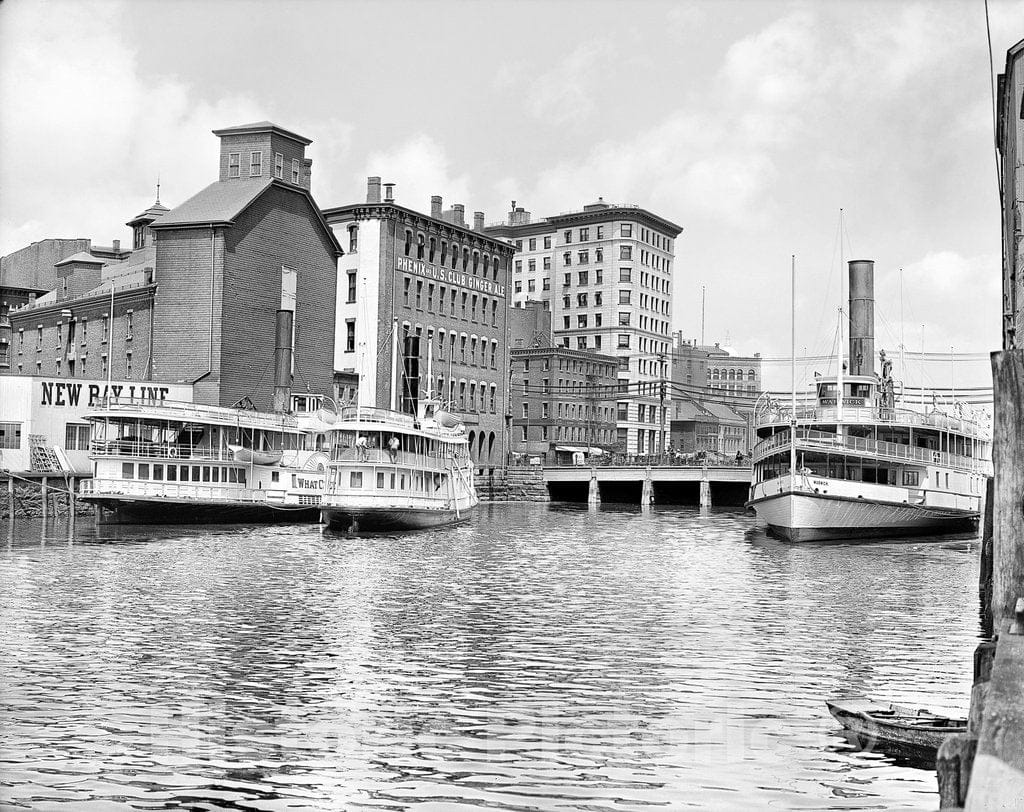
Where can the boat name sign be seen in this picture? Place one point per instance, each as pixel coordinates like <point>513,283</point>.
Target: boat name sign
<point>54,393</point>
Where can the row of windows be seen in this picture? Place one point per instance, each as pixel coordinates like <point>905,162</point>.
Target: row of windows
<point>60,333</point>
<point>625,253</point>
<point>472,260</point>
<point>447,302</point>
<point>159,472</point>
<point>570,411</point>
<point>256,166</point>
<point>573,365</point>
<point>730,374</point>
<point>80,366</point>
<point>578,434</point>
<point>400,480</point>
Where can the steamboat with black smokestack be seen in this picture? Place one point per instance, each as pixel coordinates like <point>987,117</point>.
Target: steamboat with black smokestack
<point>853,462</point>
<point>170,462</point>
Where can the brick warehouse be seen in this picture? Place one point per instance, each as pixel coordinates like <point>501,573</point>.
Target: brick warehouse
<point>445,283</point>
<point>196,300</point>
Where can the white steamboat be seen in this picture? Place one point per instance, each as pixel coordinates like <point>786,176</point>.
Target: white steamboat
<point>854,465</point>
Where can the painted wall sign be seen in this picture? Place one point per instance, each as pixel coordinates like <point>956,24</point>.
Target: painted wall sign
<point>452,277</point>
<point>69,393</point>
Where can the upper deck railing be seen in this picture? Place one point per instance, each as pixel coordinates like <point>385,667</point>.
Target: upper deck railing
<point>810,439</point>
<point>778,413</point>
<point>180,411</point>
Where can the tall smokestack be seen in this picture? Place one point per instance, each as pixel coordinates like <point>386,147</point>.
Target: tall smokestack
<point>862,317</point>
<point>283,361</point>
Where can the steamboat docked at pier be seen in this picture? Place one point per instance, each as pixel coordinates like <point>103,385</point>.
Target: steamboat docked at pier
<point>856,464</point>
<point>162,461</point>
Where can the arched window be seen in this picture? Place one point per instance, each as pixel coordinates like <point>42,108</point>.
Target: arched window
<point>444,251</point>
<point>433,249</point>
<point>455,256</point>
<point>714,373</point>
<point>750,374</point>
<point>419,246</point>
<point>353,238</point>
<point>732,374</point>
<point>408,242</point>
<point>465,259</point>
<point>496,265</point>
<point>476,262</point>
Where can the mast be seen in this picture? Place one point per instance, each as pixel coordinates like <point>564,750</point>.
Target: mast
<point>394,365</point>
<point>839,373</point>
<point>792,374</point>
<point>430,365</point>
<point>902,347</point>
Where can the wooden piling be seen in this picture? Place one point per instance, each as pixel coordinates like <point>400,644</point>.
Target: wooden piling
<point>1008,488</point>
<point>10,496</point>
<point>594,491</point>
<point>985,571</point>
<point>44,497</point>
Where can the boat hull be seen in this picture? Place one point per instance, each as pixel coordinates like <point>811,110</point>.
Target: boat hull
<point>797,516</point>
<point>113,510</point>
<point>389,519</point>
<point>923,732</point>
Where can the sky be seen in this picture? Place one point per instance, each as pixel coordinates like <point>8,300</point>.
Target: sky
<point>750,124</point>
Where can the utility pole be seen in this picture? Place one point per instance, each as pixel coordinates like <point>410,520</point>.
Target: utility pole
<point>661,358</point>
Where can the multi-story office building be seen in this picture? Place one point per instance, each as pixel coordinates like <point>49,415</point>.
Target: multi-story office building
<point>422,309</point>
<point>605,273</point>
<point>712,374</point>
<point>1010,142</point>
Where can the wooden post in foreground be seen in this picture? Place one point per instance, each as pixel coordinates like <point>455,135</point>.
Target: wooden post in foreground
<point>44,497</point>
<point>1008,489</point>
<point>10,495</point>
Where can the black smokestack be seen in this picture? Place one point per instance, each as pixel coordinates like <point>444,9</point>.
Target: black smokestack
<point>862,317</point>
<point>283,360</point>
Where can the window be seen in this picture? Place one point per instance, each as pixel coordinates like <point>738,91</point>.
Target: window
<point>106,324</point>
<point>547,263</point>
<point>295,171</point>
<point>433,249</point>
<point>255,164</point>
<point>625,296</point>
<point>623,340</point>
<point>581,299</point>
<point>419,294</point>
<point>597,319</point>
<point>128,324</point>
<point>567,258</point>
<point>39,337</point>
<point>533,243</point>
<point>10,435</point>
<point>568,236</point>
<point>599,255</point>
<point>405,291</point>
<point>581,342</point>
<point>627,229</point>
<point>420,246</point>
<point>519,265</point>
<point>531,265</point>
<point>598,299</point>
<point>351,286</point>
<point>584,277</point>
<point>350,335</point>
<point>545,284</point>
<point>625,274</point>
<point>353,238</point>
<point>581,320</point>
<point>355,479</point>
<point>279,165</point>
<point>85,330</point>
<point>565,322</point>
<point>519,245</point>
<point>567,301</point>
<point>625,252</point>
<point>568,280</point>
<point>584,234</point>
<point>526,410</point>
<point>233,160</point>
<point>430,297</point>
<point>911,478</point>
<point>128,364</point>
<point>600,232</point>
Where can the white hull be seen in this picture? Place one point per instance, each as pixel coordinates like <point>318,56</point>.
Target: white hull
<point>810,517</point>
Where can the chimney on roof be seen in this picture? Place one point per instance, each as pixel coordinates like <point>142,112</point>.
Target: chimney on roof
<point>373,190</point>
<point>117,246</point>
<point>389,193</point>
<point>478,221</point>
<point>307,173</point>
<point>460,214</point>
<point>435,207</point>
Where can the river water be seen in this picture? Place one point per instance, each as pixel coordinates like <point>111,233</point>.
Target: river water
<point>538,657</point>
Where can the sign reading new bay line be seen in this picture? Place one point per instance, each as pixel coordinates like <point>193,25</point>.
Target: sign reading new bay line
<point>452,277</point>
<point>59,393</point>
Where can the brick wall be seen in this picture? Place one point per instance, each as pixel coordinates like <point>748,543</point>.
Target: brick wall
<point>279,229</point>
<point>32,266</point>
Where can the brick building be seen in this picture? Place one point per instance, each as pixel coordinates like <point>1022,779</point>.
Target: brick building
<point>411,284</point>
<point>195,299</point>
<point>605,273</point>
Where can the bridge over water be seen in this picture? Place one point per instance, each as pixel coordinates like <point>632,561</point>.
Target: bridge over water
<point>657,484</point>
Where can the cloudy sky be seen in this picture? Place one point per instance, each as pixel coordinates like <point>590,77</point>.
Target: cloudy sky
<point>750,124</point>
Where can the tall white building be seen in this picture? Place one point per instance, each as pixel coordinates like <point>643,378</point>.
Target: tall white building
<point>605,272</point>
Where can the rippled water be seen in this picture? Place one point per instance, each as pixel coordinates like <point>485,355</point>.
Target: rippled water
<point>539,657</point>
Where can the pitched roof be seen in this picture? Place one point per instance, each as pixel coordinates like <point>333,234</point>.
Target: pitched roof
<point>223,200</point>
<point>219,203</point>
<point>81,256</point>
<point>261,127</point>
<point>723,412</point>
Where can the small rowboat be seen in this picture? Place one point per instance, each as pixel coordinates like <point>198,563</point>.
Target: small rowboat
<point>908,727</point>
<point>241,454</point>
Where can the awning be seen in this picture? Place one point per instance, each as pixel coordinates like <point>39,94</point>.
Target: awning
<point>575,449</point>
